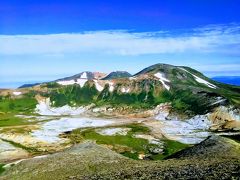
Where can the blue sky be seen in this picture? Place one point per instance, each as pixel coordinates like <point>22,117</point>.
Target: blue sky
<point>44,40</point>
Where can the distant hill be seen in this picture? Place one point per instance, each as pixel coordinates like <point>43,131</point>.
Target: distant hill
<point>29,85</point>
<point>117,74</point>
<point>233,80</point>
<point>84,75</point>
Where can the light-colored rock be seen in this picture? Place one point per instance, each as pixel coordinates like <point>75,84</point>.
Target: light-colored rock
<point>8,152</point>
<point>225,118</point>
<point>113,131</point>
<point>191,131</point>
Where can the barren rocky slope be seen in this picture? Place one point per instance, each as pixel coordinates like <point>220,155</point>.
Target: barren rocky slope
<point>90,161</point>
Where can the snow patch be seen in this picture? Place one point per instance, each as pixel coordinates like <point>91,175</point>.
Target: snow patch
<point>65,83</point>
<point>44,108</point>
<point>84,76</point>
<point>81,82</point>
<point>98,86</point>
<point>200,80</point>
<point>111,87</point>
<point>191,131</point>
<point>162,79</point>
<point>52,129</point>
<point>17,93</point>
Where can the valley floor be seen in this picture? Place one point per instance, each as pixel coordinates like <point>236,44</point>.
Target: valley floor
<point>84,147</point>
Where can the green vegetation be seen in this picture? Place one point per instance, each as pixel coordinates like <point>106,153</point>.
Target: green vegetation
<point>73,95</point>
<point>233,137</point>
<point>137,128</point>
<point>9,107</point>
<point>171,148</point>
<point>128,145</point>
<point>25,104</point>
<point>51,85</point>
<point>16,130</point>
<point>231,93</point>
<point>9,119</point>
<point>1,168</point>
<point>182,99</point>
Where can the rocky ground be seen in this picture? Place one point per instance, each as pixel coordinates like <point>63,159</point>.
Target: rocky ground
<point>215,158</point>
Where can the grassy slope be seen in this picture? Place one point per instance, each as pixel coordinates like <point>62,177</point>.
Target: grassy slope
<point>128,145</point>
<point>9,107</point>
<point>186,94</point>
<point>1,168</point>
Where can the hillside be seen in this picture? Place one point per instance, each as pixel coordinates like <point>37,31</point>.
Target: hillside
<point>91,161</point>
<point>182,86</point>
<point>188,91</point>
<point>116,75</point>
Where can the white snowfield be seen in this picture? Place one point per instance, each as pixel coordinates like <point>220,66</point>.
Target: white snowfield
<point>50,130</point>
<point>190,131</point>
<point>84,75</point>
<point>44,108</point>
<point>111,87</point>
<point>200,80</point>
<point>70,82</point>
<point>163,80</point>
<point>17,93</point>
<point>98,86</point>
<point>80,81</point>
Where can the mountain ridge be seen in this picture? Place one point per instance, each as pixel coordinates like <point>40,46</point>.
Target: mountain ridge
<point>116,75</point>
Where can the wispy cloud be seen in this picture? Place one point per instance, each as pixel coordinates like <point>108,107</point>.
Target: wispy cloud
<point>216,38</point>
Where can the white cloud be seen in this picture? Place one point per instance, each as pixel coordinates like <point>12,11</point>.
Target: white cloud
<point>220,39</point>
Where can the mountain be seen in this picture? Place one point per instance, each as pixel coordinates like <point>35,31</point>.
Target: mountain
<point>80,78</point>
<point>163,109</point>
<point>116,75</point>
<point>232,80</point>
<point>84,75</point>
<point>188,91</point>
<point>28,85</point>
